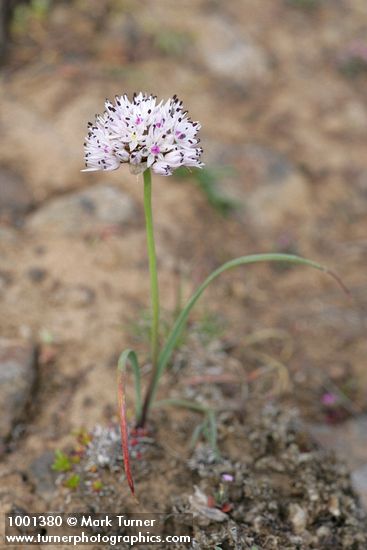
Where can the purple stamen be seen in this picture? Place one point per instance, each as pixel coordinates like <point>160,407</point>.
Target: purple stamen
<point>155,150</point>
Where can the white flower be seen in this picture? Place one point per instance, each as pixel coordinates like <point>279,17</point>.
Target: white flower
<point>144,134</point>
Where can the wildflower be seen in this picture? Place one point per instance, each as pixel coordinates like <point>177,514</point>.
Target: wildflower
<point>143,134</point>
<point>227,477</point>
<point>329,399</point>
<point>159,137</point>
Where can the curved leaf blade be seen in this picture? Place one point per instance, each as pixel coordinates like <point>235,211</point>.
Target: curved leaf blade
<point>128,356</point>
<point>181,320</point>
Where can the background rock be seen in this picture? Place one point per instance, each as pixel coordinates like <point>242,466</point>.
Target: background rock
<point>349,441</point>
<point>15,197</point>
<point>232,55</point>
<point>41,474</point>
<point>270,186</point>
<point>84,211</point>
<point>17,376</point>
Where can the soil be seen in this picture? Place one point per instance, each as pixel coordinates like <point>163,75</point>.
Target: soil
<point>270,486</point>
<point>288,114</point>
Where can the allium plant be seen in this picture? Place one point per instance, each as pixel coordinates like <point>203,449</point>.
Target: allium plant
<point>158,137</point>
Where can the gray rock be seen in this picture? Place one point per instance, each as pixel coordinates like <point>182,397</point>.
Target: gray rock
<point>349,442</point>
<point>36,274</point>
<point>359,482</point>
<point>83,212</point>
<point>15,197</point>
<point>272,189</point>
<point>17,376</point>
<point>298,517</point>
<point>41,474</point>
<point>232,56</point>
<point>266,165</point>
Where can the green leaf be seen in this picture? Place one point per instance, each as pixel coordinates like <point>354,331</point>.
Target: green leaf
<point>208,427</point>
<point>196,434</point>
<point>212,432</point>
<point>183,403</point>
<point>61,463</point>
<point>73,481</point>
<point>181,320</point>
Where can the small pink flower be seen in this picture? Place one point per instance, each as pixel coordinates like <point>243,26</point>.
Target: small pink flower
<point>329,399</point>
<point>227,477</point>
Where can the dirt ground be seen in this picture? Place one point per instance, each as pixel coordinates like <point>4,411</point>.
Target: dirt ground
<point>279,87</point>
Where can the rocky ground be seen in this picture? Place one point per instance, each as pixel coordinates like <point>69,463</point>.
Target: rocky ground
<point>279,90</point>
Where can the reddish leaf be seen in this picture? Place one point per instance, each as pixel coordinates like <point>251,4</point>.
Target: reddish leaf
<point>211,502</point>
<point>227,507</point>
<point>127,356</point>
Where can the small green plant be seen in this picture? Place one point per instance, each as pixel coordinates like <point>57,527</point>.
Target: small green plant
<point>97,485</point>
<point>73,482</point>
<point>62,462</point>
<point>159,138</point>
<point>208,181</point>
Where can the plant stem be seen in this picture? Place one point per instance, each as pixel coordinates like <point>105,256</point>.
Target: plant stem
<point>154,335</point>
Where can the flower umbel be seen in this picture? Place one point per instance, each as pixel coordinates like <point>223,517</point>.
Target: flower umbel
<point>143,134</point>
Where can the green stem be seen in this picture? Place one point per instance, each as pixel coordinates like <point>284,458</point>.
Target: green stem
<point>154,336</point>
<point>152,266</point>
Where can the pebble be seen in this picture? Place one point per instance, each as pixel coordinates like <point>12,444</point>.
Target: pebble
<point>17,377</point>
<point>297,517</point>
<point>36,274</point>
<point>41,474</point>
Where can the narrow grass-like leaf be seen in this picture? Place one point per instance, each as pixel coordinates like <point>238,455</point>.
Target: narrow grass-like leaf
<point>183,403</point>
<point>208,426</point>
<point>127,356</point>
<point>181,320</point>
<point>196,434</point>
<point>212,427</point>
